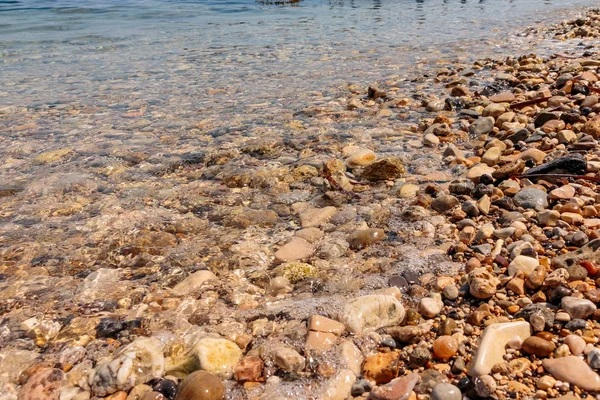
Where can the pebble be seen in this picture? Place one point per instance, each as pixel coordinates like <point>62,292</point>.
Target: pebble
<point>593,358</point>
<point>538,346</point>
<point>316,217</point>
<point>577,308</point>
<point>446,391</point>
<point>215,355</point>
<point>492,345</point>
<point>531,198</point>
<point>430,307</point>
<point>444,203</point>
<point>524,264</point>
<point>359,157</point>
<point>485,385</point>
<point>574,370</point>
<point>295,249</point>
<point>397,389</point>
<point>576,344</point>
<point>445,347</point>
<point>339,387</point>
<point>363,238</point>
<point>482,284</point>
<point>43,385</point>
<point>372,312</point>
<point>289,359</point>
<point>201,385</point>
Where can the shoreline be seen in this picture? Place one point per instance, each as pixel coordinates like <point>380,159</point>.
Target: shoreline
<point>332,262</point>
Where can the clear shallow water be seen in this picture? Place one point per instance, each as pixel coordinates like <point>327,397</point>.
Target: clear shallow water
<point>53,50</point>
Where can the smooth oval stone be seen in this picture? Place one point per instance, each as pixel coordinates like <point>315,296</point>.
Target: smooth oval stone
<point>538,346</point>
<point>201,385</point>
<point>446,391</point>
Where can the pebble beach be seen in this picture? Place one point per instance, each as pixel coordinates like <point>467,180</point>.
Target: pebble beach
<point>428,234</point>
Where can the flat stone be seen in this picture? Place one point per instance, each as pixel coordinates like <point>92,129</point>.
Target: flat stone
<point>524,264</point>
<point>446,391</point>
<point>397,389</point>
<point>193,282</point>
<point>562,193</point>
<point>317,216</point>
<point>531,198</point>
<point>590,252</point>
<point>429,307</point>
<point>295,249</point>
<point>371,312</point>
<point>492,345</point>
<point>574,370</point>
<point>289,359</point>
<point>323,324</point>
<point>503,97</point>
<point>577,308</point>
<point>482,126</point>
<point>338,388</point>
<point>215,355</point>
<point>480,169</point>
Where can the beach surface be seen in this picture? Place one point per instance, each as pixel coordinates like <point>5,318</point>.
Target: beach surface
<point>264,201</point>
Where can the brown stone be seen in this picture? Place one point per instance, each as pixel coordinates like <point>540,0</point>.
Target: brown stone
<point>538,346</point>
<point>248,369</point>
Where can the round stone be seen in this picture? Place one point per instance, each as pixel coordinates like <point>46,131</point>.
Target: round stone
<point>201,385</point>
<point>538,346</point>
<point>446,391</point>
<point>445,347</point>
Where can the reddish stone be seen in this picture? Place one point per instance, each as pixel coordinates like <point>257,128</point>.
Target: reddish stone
<point>591,268</point>
<point>398,389</point>
<point>248,369</point>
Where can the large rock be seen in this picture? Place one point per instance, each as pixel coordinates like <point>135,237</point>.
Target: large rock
<point>139,362</point>
<point>193,282</point>
<point>577,308</point>
<point>215,355</point>
<point>574,370</point>
<point>590,251</point>
<point>372,312</point>
<point>492,345</point>
<point>43,385</point>
<point>200,385</point>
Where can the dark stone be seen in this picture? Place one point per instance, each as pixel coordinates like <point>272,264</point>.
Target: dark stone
<point>558,293</point>
<point>544,117</point>
<point>572,164</point>
<point>411,277</point>
<point>464,384</point>
<point>388,342</point>
<point>579,88</point>
<point>505,203</point>
<point>419,357</point>
<point>109,328</point>
<point>545,310</point>
<point>167,387</point>
<point>575,324</point>
<point>481,190</point>
<point>461,187</point>
<point>518,136</point>
<point>360,387</point>
<point>398,281</point>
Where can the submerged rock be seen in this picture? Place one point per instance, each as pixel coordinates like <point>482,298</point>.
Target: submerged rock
<point>138,362</point>
<point>201,385</point>
<point>215,355</point>
<point>372,312</point>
